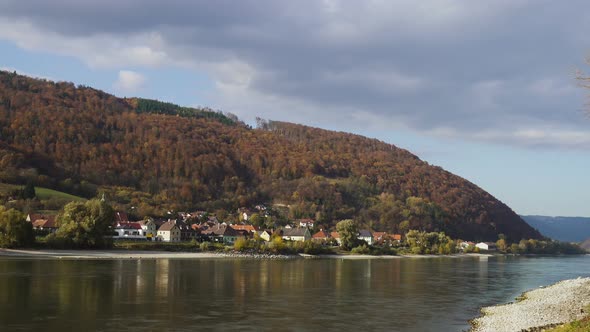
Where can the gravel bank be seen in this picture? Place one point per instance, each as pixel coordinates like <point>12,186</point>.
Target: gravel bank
<point>556,304</point>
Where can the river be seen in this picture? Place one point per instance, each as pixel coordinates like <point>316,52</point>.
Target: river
<point>408,294</point>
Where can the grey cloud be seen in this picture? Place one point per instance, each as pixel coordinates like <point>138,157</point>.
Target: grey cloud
<point>492,70</point>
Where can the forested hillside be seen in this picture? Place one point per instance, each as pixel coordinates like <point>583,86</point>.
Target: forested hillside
<point>81,140</point>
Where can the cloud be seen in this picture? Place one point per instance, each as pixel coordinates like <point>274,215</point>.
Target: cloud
<point>497,71</point>
<point>129,81</point>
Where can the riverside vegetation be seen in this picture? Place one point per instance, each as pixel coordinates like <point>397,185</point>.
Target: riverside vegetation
<point>88,225</point>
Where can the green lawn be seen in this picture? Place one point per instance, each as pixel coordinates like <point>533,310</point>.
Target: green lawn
<point>42,193</point>
<point>45,193</point>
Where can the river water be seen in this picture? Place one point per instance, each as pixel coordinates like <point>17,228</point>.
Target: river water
<point>409,294</point>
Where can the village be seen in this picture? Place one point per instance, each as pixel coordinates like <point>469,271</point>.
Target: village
<point>204,227</point>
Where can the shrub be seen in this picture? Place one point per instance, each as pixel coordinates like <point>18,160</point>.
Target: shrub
<point>241,244</point>
<point>362,250</point>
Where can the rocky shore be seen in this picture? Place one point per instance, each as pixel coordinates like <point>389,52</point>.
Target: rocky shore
<point>255,255</point>
<point>538,309</point>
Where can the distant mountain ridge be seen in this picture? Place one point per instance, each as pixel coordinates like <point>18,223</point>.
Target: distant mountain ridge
<point>78,139</point>
<point>570,229</point>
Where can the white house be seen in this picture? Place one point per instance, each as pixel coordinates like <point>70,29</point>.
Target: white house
<point>306,223</point>
<point>489,246</point>
<point>366,235</point>
<point>129,230</point>
<point>265,235</point>
<point>149,228</point>
<point>169,232</point>
<point>296,234</point>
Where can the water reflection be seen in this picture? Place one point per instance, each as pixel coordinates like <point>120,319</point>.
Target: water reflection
<point>393,295</point>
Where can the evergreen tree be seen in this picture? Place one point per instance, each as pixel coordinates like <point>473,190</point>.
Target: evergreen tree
<point>29,191</point>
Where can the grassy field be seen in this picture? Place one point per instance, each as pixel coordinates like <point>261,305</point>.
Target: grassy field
<point>42,193</point>
<point>45,193</point>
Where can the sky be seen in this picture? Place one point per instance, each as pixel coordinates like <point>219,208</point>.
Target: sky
<point>484,89</point>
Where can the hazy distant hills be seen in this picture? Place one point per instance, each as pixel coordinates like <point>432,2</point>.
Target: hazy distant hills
<point>570,229</point>
<point>78,139</point>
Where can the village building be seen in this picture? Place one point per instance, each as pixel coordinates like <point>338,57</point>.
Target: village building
<point>466,244</point>
<point>336,237</point>
<point>488,246</point>
<point>129,230</point>
<point>121,217</point>
<point>249,229</point>
<point>265,235</point>
<point>244,214</point>
<point>43,224</point>
<point>320,236</point>
<point>149,227</point>
<point>309,223</point>
<point>169,232</point>
<point>366,235</point>
<point>223,234</point>
<point>296,234</point>
<point>379,237</point>
<point>186,231</point>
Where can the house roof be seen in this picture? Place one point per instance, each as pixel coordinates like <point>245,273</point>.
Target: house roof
<point>365,233</point>
<point>249,228</point>
<point>306,221</point>
<point>321,235</point>
<point>47,222</point>
<point>34,216</point>
<point>121,217</point>
<point>396,237</point>
<point>335,235</point>
<point>379,235</point>
<point>183,226</point>
<point>222,230</point>
<point>145,222</point>
<point>167,226</point>
<point>294,231</point>
<point>128,225</point>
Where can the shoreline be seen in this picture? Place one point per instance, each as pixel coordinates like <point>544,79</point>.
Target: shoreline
<point>537,309</point>
<point>161,254</point>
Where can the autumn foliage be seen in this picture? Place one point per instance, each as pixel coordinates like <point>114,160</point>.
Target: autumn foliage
<point>79,139</point>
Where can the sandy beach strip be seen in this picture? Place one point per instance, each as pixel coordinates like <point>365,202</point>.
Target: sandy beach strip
<point>559,303</point>
<point>152,254</point>
<point>105,254</point>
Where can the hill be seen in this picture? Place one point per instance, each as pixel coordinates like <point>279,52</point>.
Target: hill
<point>570,229</point>
<point>81,140</point>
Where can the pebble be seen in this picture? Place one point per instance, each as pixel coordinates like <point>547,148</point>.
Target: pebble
<point>540,309</point>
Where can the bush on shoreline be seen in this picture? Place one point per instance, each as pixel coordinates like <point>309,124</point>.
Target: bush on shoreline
<point>278,246</point>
